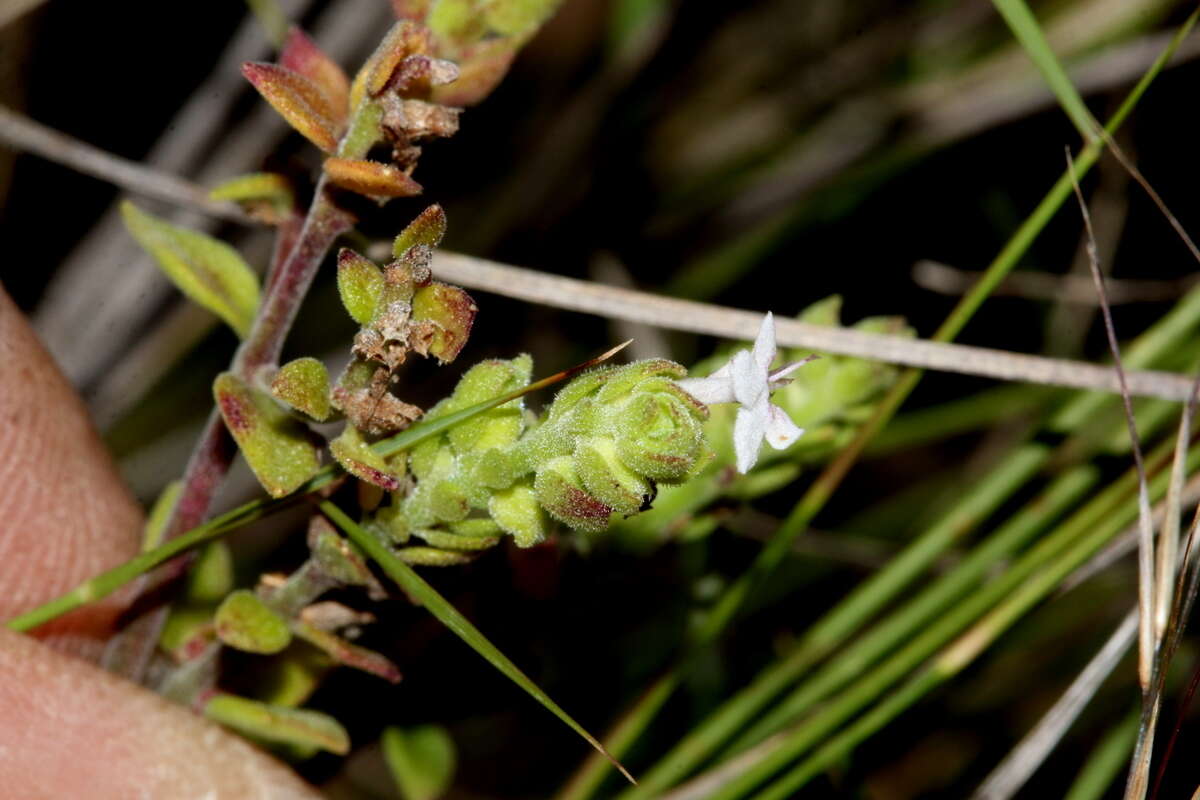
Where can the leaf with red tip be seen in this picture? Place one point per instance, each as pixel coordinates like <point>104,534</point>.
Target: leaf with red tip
<point>355,455</point>
<point>299,101</point>
<point>428,229</point>
<point>301,54</point>
<point>371,178</point>
<point>350,655</point>
<point>403,40</point>
<point>276,446</point>
<point>442,318</point>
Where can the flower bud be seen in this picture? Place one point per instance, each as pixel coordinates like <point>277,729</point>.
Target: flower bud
<point>561,492</point>
<point>608,479</point>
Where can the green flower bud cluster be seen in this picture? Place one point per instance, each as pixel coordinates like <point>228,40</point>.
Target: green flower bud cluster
<point>830,397</point>
<point>611,436</point>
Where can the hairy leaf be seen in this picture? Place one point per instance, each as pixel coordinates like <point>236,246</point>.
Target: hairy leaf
<point>208,271</point>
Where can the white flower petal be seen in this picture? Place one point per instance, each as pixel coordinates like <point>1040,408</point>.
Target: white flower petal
<point>780,432</point>
<point>764,345</point>
<point>749,380</point>
<point>748,431</point>
<point>713,389</point>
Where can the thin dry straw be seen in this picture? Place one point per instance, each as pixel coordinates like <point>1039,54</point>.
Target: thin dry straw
<point>686,315</point>
<point>1146,525</point>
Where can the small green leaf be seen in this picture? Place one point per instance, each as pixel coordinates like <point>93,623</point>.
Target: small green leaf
<point>360,283</point>
<point>337,557</point>
<point>246,623</point>
<point>428,229</point>
<point>519,18</point>
<point>516,510</point>
<point>350,655</point>
<point>304,385</point>
<point>276,446</point>
<point>208,271</point>
<point>211,577</point>
<point>356,457</point>
<point>278,724</point>
<point>421,760</point>
<point>432,557</point>
<point>160,515</point>
<point>265,195</point>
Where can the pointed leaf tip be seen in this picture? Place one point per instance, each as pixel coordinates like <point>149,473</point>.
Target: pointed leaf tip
<point>428,229</point>
<point>299,101</point>
<point>302,55</point>
<point>208,271</point>
<point>370,178</point>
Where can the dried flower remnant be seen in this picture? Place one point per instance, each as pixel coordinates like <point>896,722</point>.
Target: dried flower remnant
<point>389,101</point>
<point>747,379</point>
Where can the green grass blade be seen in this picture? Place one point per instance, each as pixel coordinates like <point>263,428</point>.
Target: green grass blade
<point>1025,27</point>
<point>408,580</point>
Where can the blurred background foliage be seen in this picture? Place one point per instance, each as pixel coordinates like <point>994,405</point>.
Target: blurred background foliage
<point>763,155</point>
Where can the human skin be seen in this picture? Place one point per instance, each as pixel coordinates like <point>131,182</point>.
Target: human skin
<point>67,728</point>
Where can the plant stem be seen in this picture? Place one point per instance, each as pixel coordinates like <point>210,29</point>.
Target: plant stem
<point>591,773</point>
<point>294,265</point>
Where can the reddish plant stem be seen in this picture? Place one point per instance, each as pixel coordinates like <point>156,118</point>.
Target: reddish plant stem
<point>299,251</point>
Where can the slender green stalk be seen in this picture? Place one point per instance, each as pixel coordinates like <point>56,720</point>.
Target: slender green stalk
<point>1106,762</point>
<point>416,586</point>
<point>841,622</point>
<point>996,606</point>
<point>905,623</point>
<point>591,773</point>
<point>943,593</point>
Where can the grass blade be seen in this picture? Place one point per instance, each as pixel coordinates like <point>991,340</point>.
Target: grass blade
<point>448,615</point>
<point>1025,27</point>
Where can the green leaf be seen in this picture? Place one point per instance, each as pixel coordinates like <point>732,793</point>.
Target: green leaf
<point>246,623</point>
<point>356,457</point>
<point>519,18</point>
<point>160,515</point>
<point>421,760</point>
<point>428,229</point>
<point>276,446</point>
<point>304,385</point>
<point>448,615</point>
<point>208,271</point>
<point>266,195</point>
<point>279,724</point>
<point>212,576</point>
<point>360,284</point>
<point>1025,27</point>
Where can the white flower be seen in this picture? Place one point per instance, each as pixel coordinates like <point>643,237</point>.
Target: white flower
<point>747,380</point>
